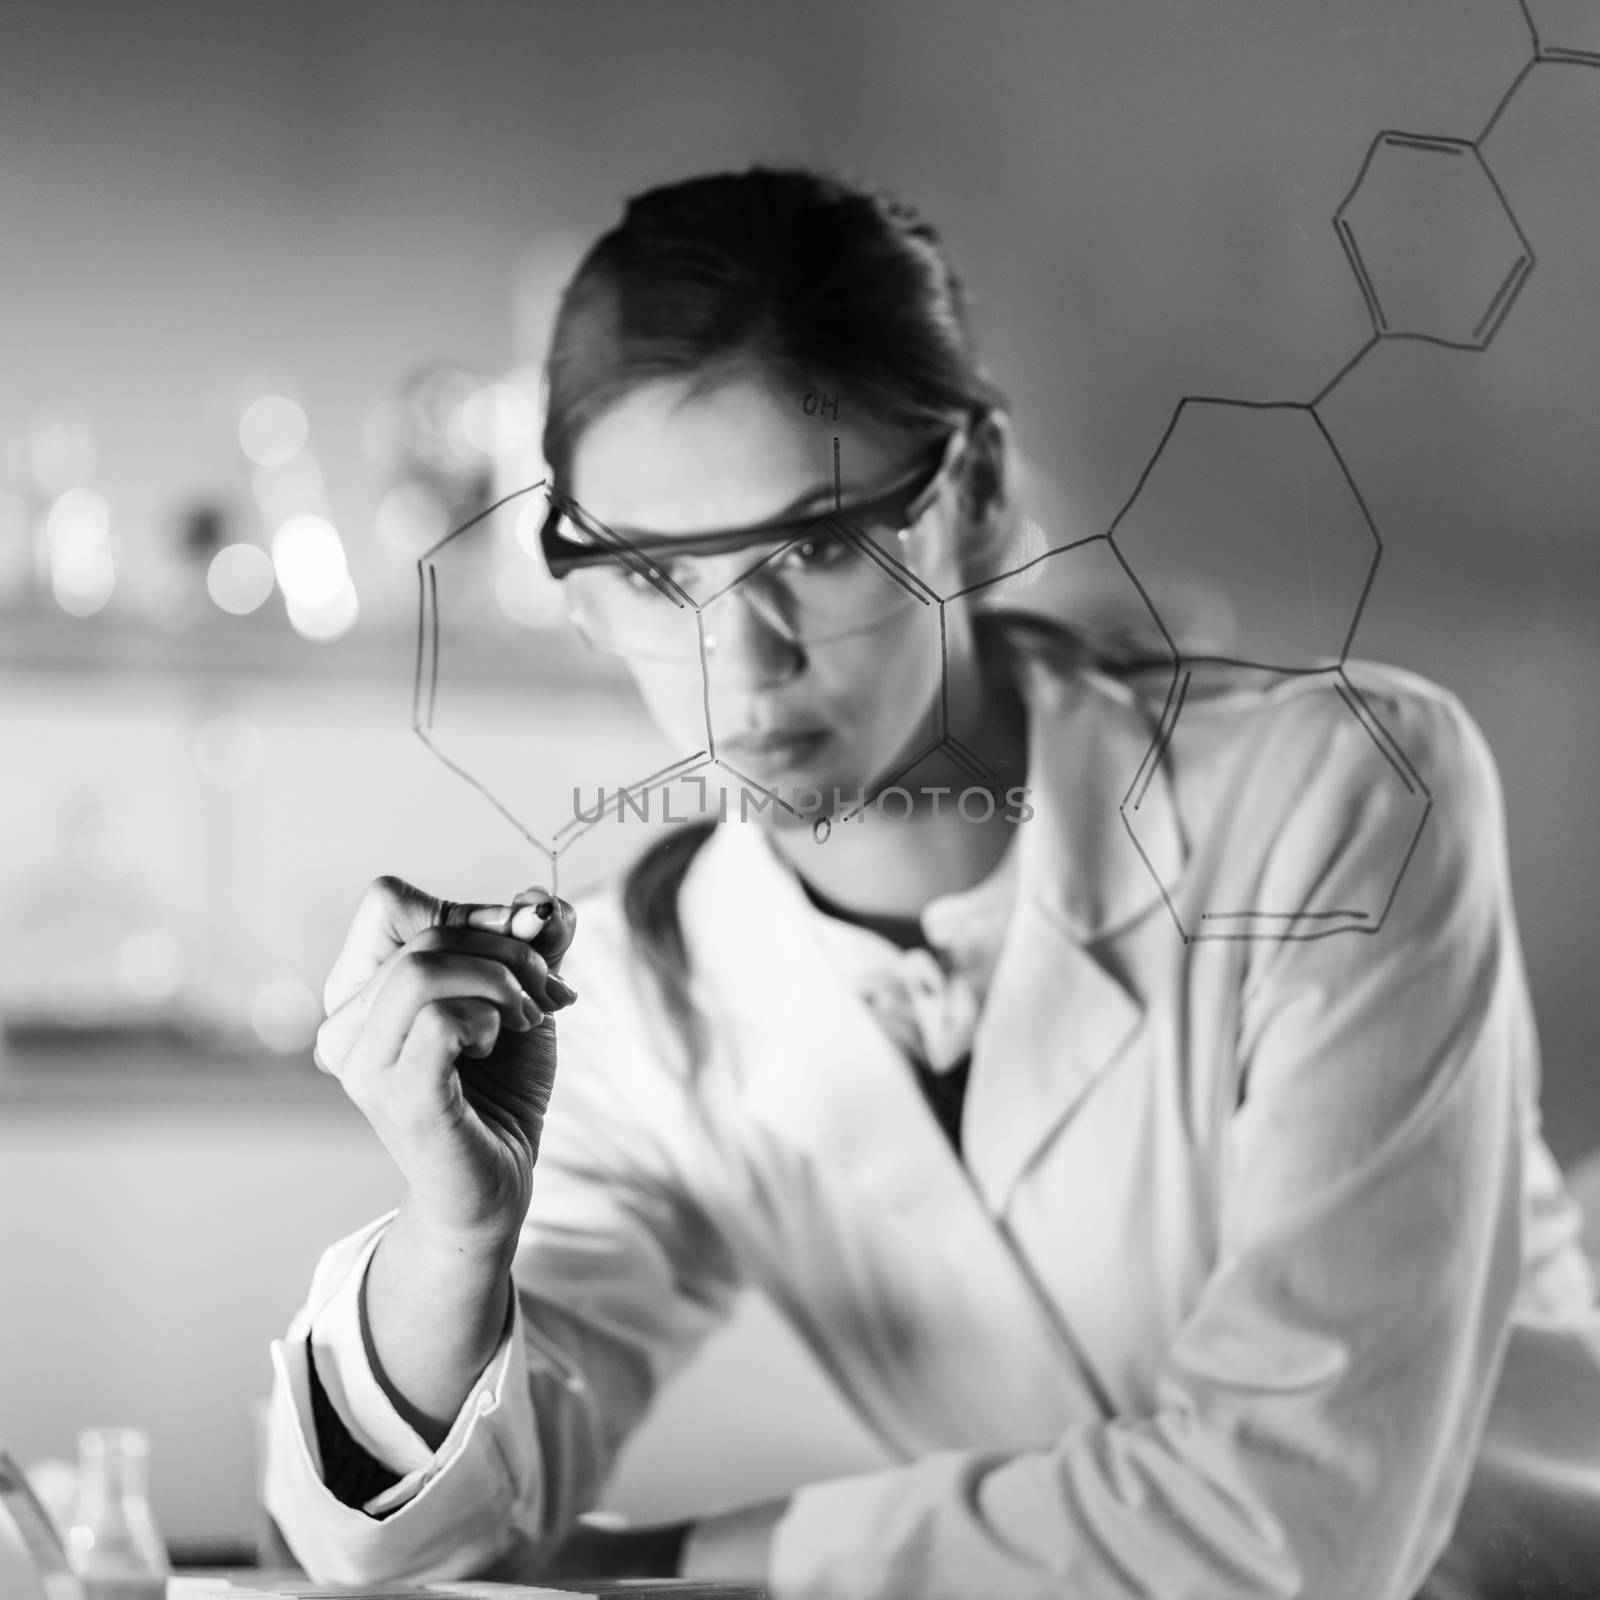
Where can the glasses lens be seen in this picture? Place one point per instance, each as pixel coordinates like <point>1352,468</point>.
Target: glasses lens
<point>626,612</point>
<point>834,580</point>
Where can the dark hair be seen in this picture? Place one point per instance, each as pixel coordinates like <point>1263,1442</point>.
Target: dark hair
<point>823,285</point>
<point>826,286</point>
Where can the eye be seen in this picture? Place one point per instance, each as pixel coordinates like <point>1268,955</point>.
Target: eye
<point>646,580</point>
<point>816,554</point>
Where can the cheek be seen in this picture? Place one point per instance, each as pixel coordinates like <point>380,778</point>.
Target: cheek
<point>893,680</point>
<point>675,698</point>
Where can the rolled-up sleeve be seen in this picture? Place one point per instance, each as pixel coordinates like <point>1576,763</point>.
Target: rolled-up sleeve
<point>618,1276</point>
<point>1318,1411</point>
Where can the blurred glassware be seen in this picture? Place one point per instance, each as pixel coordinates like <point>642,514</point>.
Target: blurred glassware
<point>273,430</point>
<point>431,446</point>
<point>239,578</point>
<point>307,551</point>
<point>80,550</point>
<point>113,1542</point>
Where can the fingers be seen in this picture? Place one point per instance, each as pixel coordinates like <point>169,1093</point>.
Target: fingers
<point>546,921</point>
<point>397,922</point>
<point>559,923</point>
<point>421,1083</point>
<point>480,1023</point>
<point>372,1026</point>
<point>391,912</point>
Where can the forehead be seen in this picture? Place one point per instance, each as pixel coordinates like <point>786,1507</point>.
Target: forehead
<point>669,461</point>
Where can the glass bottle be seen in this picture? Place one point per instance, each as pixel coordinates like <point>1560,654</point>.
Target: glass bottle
<point>113,1542</point>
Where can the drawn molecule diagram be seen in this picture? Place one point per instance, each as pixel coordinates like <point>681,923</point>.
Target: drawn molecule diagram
<point>1254,493</point>
<point>675,624</point>
<point>1257,493</point>
<point>1432,242</point>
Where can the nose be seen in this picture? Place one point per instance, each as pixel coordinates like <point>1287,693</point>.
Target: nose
<point>748,643</point>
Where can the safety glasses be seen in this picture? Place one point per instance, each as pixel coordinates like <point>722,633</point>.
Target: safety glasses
<point>813,577</point>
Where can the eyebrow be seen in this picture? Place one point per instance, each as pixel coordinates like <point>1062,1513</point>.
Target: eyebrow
<point>819,497</point>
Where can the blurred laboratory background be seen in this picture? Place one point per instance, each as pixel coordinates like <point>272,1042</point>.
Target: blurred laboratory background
<point>275,285</point>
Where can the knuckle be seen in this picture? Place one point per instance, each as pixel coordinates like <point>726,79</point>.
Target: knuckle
<point>434,1021</point>
<point>415,970</point>
<point>383,891</point>
<point>324,1049</point>
<point>441,1025</point>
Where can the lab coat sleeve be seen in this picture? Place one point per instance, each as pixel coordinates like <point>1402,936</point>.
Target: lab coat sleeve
<point>1315,1418</point>
<point>618,1277</point>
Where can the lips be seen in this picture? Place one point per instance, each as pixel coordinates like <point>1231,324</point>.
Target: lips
<point>778,742</point>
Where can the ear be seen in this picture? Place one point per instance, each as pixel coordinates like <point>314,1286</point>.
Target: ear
<point>988,481</point>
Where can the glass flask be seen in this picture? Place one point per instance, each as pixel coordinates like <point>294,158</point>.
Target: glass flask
<point>113,1541</point>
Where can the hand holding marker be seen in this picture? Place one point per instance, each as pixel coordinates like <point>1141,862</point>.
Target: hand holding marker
<point>439,1027</point>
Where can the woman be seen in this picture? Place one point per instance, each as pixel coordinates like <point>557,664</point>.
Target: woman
<point>1165,1266</point>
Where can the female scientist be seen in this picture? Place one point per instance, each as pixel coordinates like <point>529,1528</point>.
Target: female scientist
<point>1182,1268</point>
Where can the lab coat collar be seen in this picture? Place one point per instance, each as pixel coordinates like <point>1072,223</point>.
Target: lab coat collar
<point>815,1064</point>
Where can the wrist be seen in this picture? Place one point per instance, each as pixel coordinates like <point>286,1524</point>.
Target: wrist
<point>468,1252</point>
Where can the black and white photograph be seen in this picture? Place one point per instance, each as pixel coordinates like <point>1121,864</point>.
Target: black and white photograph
<point>798,800</point>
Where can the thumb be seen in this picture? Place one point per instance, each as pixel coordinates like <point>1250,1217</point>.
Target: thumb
<point>392,912</point>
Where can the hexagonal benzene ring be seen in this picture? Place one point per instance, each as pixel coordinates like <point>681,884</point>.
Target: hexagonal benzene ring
<point>1432,242</point>
<point>1564,30</point>
<point>1086,589</point>
<point>862,588</point>
<point>497,749</point>
<point>861,585</point>
<point>1083,589</point>
<point>428,698</point>
<point>1313,917</point>
<point>1038,585</point>
<point>431,719</point>
<point>895,597</point>
<point>1253,503</point>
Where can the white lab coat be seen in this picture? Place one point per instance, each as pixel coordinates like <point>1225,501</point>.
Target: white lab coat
<point>1257,1279</point>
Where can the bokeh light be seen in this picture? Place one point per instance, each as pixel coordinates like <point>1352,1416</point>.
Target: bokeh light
<point>285,1014</point>
<point>286,491</point>
<point>412,518</point>
<point>78,535</point>
<point>496,418</point>
<point>308,557</point>
<point>331,620</point>
<point>240,578</point>
<point>273,430</point>
<point>149,965</point>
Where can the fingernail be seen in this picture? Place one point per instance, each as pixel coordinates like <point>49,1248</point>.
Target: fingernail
<point>539,898</point>
<point>527,921</point>
<point>518,1021</point>
<point>560,988</point>
<point>494,918</point>
<point>534,1015</point>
